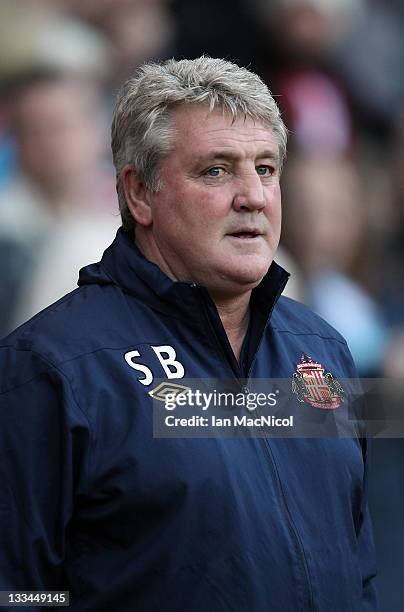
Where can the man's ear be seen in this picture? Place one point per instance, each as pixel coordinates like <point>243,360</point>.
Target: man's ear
<point>136,194</point>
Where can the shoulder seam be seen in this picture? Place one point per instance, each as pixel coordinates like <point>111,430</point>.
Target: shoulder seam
<point>287,331</point>
<point>51,366</point>
<point>76,403</point>
<point>69,359</point>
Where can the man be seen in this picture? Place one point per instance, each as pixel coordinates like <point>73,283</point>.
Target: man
<point>62,188</point>
<point>92,503</point>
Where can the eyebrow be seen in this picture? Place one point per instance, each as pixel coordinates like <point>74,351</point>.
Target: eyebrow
<point>229,155</point>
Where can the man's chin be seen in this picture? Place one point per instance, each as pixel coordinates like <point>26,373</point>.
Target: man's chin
<point>252,273</point>
<point>239,280</point>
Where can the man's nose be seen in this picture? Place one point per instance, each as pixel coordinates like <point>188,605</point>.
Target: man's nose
<point>250,194</point>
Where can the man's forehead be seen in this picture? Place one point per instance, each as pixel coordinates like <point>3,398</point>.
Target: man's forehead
<point>218,134</point>
<point>218,116</point>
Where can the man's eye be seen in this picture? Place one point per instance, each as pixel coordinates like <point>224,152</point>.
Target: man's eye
<point>265,170</point>
<point>215,171</point>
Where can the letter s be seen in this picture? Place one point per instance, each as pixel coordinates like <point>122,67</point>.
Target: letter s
<point>148,379</point>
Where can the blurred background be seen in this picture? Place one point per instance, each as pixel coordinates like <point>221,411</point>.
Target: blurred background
<point>336,68</point>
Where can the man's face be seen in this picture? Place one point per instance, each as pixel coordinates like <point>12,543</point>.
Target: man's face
<point>59,132</point>
<point>217,218</point>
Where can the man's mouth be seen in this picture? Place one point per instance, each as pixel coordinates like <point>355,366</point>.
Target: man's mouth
<point>245,234</point>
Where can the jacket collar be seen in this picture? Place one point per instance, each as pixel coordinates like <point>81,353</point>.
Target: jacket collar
<point>126,267</point>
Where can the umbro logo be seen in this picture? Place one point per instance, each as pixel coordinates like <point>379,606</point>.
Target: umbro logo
<point>165,389</point>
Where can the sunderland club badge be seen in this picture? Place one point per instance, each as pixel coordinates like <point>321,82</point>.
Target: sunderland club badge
<point>313,385</point>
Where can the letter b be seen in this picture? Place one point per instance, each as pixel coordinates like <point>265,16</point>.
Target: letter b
<point>170,365</point>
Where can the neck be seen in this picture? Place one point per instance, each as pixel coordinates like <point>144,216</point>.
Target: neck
<point>233,311</point>
<point>235,316</point>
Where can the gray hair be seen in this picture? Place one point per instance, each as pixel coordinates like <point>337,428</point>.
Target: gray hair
<point>142,131</point>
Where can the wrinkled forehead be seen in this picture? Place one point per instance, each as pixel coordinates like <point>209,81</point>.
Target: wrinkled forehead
<point>197,127</point>
<point>204,112</point>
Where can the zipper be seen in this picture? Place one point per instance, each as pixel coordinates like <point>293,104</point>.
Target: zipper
<point>281,288</point>
<point>292,528</point>
<point>245,389</point>
<point>232,363</point>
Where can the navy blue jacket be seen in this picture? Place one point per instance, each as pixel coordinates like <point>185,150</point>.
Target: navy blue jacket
<point>90,502</point>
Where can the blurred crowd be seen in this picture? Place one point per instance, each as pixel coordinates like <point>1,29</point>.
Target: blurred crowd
<point>336,68</point>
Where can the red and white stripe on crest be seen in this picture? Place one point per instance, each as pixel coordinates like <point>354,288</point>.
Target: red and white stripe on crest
<point>315,385</point>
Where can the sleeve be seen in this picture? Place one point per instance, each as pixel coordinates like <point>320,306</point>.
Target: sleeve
<point>44,442</point>
<point>366,548</point>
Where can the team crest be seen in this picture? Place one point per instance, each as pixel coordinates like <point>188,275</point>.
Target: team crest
<point>313,385</point>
